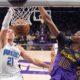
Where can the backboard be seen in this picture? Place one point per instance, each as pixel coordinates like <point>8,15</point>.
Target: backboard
<point>36,15</point>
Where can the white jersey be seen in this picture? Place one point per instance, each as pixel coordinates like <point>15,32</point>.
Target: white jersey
<point>9,66</point>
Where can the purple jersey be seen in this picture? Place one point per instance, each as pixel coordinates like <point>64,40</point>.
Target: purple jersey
<point>65,67</point>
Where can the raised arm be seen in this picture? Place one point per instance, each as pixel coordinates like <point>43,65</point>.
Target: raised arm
<point>5,26</point>
<point>32,60</point>
<point>3,38</point>
<point>52,27</point>
<point>7,19</point>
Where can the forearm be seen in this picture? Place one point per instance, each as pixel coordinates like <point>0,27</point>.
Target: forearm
<point>34,61</point>
<point>53,28</point>
<point>40,63</point>
<point>47,18</point>
<point>27,57</point>
<point>3,38</point>
<point>44,13</point>
<point>7,19</point>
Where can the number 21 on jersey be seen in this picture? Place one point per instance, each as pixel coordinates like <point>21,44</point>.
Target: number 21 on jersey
<point>10,61</point>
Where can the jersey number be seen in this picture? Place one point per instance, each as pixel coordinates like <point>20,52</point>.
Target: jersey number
<point>10,61</point>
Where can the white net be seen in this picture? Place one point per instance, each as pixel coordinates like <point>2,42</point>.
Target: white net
<point>22,13</point>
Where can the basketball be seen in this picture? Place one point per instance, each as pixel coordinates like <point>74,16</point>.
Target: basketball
<point>20,27</point>
<point>17,2</point>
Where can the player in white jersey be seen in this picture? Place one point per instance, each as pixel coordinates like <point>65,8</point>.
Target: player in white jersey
<point>10,53</point>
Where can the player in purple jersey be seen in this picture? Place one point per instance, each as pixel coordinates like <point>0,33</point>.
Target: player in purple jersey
<point>67,62</point>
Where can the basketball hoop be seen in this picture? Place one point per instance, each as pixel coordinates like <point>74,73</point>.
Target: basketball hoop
<point>20,21</point>
<point>22,13</point>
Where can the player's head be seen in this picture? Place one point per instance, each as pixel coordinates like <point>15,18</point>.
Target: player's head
<point>76,37</point>
<point>10,34</point>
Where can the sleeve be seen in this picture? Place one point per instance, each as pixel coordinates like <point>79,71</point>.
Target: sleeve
<point>7,20</point>
<point>62,40</point>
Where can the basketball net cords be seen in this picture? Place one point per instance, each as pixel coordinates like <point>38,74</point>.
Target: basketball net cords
<point>22,13</point>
